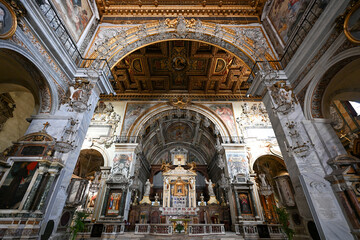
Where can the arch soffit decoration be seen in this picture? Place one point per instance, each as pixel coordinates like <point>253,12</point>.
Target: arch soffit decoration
<point>102,151</point>
<point>156,151</point>
<point>162,107</point>
<point>314,94</point>
<point>276,158</point>
<point>245,43</point>
<point>49,96</point>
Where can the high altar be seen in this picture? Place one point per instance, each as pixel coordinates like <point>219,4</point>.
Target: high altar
<point>179,192</point>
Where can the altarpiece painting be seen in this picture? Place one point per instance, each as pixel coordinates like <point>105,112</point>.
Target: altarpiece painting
<point>16,183</point>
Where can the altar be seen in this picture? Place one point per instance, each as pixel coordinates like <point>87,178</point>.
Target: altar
<point>179,192</point>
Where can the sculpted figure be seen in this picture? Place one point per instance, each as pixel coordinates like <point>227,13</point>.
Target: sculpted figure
<point>148,185</point>
<point>210,187</point>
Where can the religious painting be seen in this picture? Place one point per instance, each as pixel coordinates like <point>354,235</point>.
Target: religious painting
<point>179,189</point>
<point>113,205</point>
<point>91,199</point>
<point>7,20</point>
<point>179,131</point>
<point>133,111</point>
<point>237,164</point>
<point>245,204</point>
<point>75,15</point>
<point>352,24</point>
<point>16,183</point>
<point>122,163</point>
<point>285,15</point>
<point>226,113</point>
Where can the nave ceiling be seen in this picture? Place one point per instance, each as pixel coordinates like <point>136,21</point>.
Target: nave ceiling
<point>183,129</point>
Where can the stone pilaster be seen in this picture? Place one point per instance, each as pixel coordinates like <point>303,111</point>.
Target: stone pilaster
<point>303,151</point>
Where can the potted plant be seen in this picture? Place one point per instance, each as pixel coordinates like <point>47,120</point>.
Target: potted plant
<point>79,223</point>
<point>179,227</point>
<point>284,221</point>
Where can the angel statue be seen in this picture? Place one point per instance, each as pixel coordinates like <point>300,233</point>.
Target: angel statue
<point>191,166</point>
<point>165,167</point>
<point>210,187</point>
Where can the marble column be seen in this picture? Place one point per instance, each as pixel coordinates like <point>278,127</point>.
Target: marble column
<point>237,203</point>
<point>34,188</point>
<point>47,189</point>
<point>105,171</point>
<point>303,149</point>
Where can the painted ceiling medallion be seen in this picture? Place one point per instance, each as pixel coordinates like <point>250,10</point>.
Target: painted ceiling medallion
<point>352,24</point>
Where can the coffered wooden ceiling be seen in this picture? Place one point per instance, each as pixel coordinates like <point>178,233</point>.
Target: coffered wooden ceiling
<point>138,11</point>
<point>181,67</point>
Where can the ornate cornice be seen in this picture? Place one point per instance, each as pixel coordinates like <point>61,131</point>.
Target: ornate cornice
<point>117,12</point>
<point>169,96</point>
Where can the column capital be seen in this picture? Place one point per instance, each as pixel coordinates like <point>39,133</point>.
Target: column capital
<point>263,79</point>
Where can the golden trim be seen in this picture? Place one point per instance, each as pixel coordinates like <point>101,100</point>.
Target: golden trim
<point>12,30</point>
<point>346,23</point>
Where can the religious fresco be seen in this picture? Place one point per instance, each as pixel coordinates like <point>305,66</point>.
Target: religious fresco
<point>179,132</point>
<point>133,111</point>
<point>237,164</point>
<point>226,113</point>
<point>16,183</point>
<point>113,205</point>
<point>75,14</point>
<point>285,15</point>
<point>122,163</point>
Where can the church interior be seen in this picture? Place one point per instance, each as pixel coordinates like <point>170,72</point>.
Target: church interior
<point>194,119</point>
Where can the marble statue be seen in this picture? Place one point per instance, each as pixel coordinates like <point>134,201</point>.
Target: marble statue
<point>210,187</point>
<point>148,185</point>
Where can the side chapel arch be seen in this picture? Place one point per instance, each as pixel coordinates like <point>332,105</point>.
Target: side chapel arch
<point>313,105</point>
<point>47,95</point>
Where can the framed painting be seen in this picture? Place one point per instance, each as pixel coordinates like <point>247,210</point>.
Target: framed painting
<point>245,203</point>
<point>16,184</point>
<point>8,20</point>
<point>113,204</point>
<point>352,24</point>
<point>75,15</point>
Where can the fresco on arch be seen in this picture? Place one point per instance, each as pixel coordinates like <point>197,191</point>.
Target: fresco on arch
<point>133,111</point>
<point>75,15</point>
<point>226,113</point>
